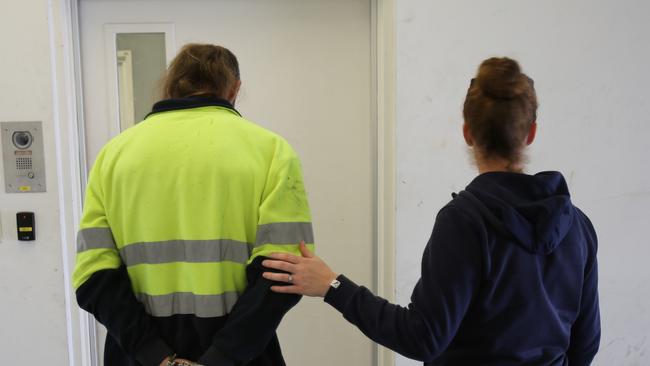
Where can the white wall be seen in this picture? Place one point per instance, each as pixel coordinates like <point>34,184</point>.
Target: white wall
<point>590,63</point>
<point>32,309</point>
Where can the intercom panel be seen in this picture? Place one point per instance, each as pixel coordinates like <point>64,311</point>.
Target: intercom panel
<point>23,160</point>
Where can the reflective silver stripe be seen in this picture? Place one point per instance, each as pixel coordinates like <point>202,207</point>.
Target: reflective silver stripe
<point>284,233</point>
<point>203,306</point>
<point>95,238</point>
<point>186,251</point>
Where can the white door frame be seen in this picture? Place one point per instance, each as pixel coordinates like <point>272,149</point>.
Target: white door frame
<point>69,131</point>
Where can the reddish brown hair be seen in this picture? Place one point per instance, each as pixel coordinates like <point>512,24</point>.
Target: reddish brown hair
<point>500,106</point>
<point>201,70</point>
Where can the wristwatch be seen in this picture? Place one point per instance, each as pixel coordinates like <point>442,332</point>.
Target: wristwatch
<point>335,283</point>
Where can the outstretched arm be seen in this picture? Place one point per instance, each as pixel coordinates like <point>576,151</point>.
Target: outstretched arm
<point>451,267</point>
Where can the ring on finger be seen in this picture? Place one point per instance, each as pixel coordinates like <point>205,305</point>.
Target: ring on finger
<point>290,279</point>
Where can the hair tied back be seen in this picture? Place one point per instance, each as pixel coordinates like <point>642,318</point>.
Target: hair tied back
<point>501,78</point>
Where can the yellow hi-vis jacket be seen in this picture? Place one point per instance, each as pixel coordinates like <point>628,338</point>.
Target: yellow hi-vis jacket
<point>185,200</point>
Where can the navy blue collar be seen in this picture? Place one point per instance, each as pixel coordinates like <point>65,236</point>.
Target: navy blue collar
<point>186,103</point>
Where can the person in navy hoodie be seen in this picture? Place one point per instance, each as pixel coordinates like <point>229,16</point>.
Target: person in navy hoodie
<point>509,275</point>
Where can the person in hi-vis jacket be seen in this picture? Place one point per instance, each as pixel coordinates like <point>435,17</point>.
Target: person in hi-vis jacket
<point>180,211</point>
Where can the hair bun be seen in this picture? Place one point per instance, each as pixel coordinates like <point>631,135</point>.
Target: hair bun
<point>501,78</point>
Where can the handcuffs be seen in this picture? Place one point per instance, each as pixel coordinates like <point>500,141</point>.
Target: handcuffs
<point>174,362</point>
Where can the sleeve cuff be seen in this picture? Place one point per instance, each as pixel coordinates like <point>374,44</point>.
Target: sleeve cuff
<point>340,297</point>
<point>214,357</point>
<point>154,352</point>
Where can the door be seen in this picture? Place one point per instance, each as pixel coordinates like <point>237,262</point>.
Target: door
<point>307,75</point>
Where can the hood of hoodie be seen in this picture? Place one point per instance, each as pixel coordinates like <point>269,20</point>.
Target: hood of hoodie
<point>535,209</point>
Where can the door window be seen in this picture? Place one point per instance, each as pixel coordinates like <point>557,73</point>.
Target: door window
<point>141,63</point>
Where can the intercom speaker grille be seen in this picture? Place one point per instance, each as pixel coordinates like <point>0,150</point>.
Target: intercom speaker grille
<point>24,163</point>
<point>23,157</point>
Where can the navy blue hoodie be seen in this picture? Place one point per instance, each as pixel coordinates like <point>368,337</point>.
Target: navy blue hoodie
<point>509,277</point>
